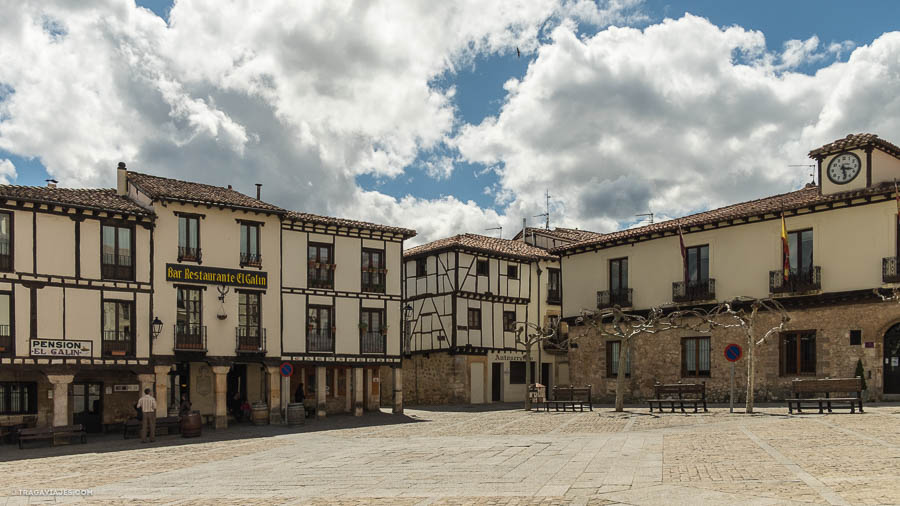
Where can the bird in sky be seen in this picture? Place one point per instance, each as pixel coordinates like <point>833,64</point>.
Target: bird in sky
<point>518,54</point>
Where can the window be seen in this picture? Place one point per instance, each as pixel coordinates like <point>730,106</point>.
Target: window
<point>319,329</point>
<point>373,271</point>
<point>517,373</point>
<point>695,356</point>
<point>250,255</point>
<point>613,349</point>
<point>188,238</point>
<point>373,331</point>
<point>320,273</point>
<point>118,328</point>
<point>188,325</point>
<point>798,353</point>
<point>7,343</point>
<point>512,271</point>
<point>801,260</point>
<point>481,268</point>
<point>421,266</point>
<point>855,337</point>
<point>6,250</point>
<point>697,258</point>
<point>249,315</point>
<point>618,275</point>
<point>117,252</point>
<point>509,321</point>
<point>18,398</point>
<point>474,319</point>
<point>553,293</point>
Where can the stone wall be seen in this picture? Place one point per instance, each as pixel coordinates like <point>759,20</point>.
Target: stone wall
<point>657,357</point>
<point>440,378</point>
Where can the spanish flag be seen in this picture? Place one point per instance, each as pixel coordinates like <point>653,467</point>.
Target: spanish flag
<point>786,250</point>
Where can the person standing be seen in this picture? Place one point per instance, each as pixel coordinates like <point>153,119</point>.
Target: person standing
<point>147,405</point>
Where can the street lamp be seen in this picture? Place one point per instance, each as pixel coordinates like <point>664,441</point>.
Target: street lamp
<point>156,326</point>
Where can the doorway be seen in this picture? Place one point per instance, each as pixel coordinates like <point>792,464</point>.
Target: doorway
<point>892,360</point>
<point>497,382</point>
<point>545,378</point>
<point>237,388</point>
<point>87,406</point>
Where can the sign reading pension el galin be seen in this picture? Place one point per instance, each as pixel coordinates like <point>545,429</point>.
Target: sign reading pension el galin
<point>216,276</point>
<point>60,348</point>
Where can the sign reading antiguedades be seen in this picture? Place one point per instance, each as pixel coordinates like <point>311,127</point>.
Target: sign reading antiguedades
<point>216,276</point>
<point>60,348</point>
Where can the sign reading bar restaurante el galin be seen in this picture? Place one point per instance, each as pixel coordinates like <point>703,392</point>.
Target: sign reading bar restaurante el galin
<point>216,276</point>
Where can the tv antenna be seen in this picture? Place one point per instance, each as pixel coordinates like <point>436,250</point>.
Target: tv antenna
<point>547,213</point>
<point>650,215</point>
<point>496,228</point>
<point>812,173</point>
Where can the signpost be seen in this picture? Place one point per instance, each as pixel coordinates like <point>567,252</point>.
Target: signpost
<point>733,353</point>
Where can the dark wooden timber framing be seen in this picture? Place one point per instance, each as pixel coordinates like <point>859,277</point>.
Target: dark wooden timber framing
<point>34,246</point>
<point>869,165</point>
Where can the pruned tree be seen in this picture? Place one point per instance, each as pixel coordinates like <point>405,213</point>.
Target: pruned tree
<point>734,314</point>
<point>615,323</point>
<point>529,334</point>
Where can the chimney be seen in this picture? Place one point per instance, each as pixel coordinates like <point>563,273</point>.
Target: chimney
<point>229,187</point>
<point>258,186</point>
<point>121,179</point>
<point>51,183</point>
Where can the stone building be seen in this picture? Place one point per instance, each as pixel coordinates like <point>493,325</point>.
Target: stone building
<point>188,289</point>
<point>843,243</point>
<point>465,295</point>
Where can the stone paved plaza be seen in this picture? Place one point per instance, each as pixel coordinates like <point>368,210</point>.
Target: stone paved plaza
<point>499,456</point>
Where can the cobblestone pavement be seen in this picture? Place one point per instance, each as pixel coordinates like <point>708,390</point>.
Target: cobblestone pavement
<point>454,456</point>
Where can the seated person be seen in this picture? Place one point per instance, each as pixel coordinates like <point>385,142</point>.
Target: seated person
<point>245,410</point>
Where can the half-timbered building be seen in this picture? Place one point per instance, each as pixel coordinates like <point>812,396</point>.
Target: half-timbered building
<point>467,295</point>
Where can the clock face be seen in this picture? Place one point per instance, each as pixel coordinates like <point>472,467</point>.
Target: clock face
<point>843,168</point>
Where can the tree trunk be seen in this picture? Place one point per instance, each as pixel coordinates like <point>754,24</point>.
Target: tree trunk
<point>620,375</point>
<point>751,365</point>
<point>527,377</point>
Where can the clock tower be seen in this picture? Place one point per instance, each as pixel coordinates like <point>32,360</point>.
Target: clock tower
<point>856,162</point>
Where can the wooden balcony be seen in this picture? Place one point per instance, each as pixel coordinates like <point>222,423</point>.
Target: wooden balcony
<point>610,298</point>
<point>693,291</point>
<point>249,340</point>
<point>190,338</point>
<point>797,282</point>
<point>889,272</point>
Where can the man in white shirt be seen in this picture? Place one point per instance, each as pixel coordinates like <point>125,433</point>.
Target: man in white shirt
<point>147,405</point>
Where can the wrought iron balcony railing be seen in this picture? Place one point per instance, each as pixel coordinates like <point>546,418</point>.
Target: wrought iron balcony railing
<point>808,280</point>
<point>373,342</point>
<point>5,256</point>
<point>186,254</point>
<point>6,340</point>
<point>610,298</point>
<point>190,337</point>
<point>249,340</point>
<point>319,341</point>
<point>118,343</point>
<point>889,272</point>
<point>554,297</point>
<point>251,259</point>
<point>694,290</point>
<point>116,267</point>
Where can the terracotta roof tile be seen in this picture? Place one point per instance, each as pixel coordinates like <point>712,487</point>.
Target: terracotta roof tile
<point>93,198</point>
<point>341,222</point>
<point>806,197</point>
<point>173,189</point>
<point>854,141</point>
<point>482,243</point>
<point>565,234</point>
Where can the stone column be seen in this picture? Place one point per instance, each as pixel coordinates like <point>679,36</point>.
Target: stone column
<point>61,384</point>
<point>146,381</point>
<point>162,390</point>
<point>321,383</point>
<point>221,388</point>
<point>274,401</point>
<point>398,390</point>
<point>367,392</point>
<point>287,396</point>
<point>348,397</point>
<point>358,391</point>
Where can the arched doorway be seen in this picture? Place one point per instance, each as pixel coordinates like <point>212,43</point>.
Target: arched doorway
<point>892,360</point>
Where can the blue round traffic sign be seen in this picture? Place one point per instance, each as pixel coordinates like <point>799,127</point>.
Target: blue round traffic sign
<point>733,352</point>
<point>287,369</point>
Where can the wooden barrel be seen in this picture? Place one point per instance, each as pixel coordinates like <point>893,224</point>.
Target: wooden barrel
<point>296,413</point>
<point>191,424</point>
<point>259,413</point>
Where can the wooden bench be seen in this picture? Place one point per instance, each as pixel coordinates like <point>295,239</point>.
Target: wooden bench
<point>570,396</point>
<point>167,423</point>
<point>674,395</point>
<point>52,433</point>
<point>826,386</point>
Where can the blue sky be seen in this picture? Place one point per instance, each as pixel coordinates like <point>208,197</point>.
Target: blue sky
<point>602,133</point>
